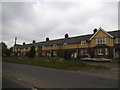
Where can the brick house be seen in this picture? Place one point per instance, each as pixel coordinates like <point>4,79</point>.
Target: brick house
<point>100,44</point>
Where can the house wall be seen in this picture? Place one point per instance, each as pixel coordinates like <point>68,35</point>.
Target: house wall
<point>89,46</point>
<point>109,40</point>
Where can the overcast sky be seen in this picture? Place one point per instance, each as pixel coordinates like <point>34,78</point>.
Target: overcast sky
<point>37,20</point>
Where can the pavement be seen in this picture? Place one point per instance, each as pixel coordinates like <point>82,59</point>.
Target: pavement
<point>42,77</point>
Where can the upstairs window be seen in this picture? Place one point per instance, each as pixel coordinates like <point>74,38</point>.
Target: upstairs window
<point>36,48</point>
<point>117,40</point>
<point>65,44</point>
<point>43,46</point>
<point>55,45</point>
<point>83,42</point>
<point>26,48</point>
<point>101,40</point>
<point>29,48</point>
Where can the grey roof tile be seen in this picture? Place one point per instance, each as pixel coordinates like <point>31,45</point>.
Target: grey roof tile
<point>70,40</point>
<point>115,33</point>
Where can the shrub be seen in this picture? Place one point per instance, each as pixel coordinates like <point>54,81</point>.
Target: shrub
<point>83,56</point>
<point>67,54</point>
<point>32,52</point>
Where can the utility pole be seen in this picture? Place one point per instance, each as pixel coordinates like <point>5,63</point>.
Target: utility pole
<point>15,45</point>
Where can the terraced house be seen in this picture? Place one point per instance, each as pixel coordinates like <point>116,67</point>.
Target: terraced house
<point>99,44</point>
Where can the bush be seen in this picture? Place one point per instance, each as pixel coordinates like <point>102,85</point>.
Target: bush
<point>83,56</point>
<point>32,52</point>
<point>67,54</point>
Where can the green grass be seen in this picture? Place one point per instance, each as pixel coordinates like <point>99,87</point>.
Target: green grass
<point>116,60</point>
<point>54,62</point>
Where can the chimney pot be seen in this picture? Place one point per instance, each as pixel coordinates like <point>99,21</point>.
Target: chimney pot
<point>95,30</point>
<point>47,39</point>
<point>23,43</point>
<point>33,41</point>
<point>66,35</point>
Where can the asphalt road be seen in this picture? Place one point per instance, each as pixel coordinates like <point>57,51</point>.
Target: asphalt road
<point>12,83</point>
<point>42,77</point>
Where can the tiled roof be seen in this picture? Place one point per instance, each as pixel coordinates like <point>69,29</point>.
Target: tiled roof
<point>115,33</point>
<point>117,46</point>
<point>70,40</point>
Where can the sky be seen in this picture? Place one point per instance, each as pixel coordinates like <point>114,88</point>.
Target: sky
<point>38,19</point>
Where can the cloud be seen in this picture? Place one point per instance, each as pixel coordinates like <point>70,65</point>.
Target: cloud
<point>37,20</point>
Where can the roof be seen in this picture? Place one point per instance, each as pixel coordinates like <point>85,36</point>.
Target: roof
<point>69,40</point>
<point>100,29</point>
<point>101,45</point>
<point>117,46</point>
<point>115,34</point>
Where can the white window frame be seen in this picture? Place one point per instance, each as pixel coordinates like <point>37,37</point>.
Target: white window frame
<point>55,45</point>
<point>101,40</point>
<point>54,53</point>
<point>65,44</point>
<point>43,46</point>
<point>100,52</point>
<point>106,51</point>
<point>36,48</point>
<point>83,42</point>
<point>83,52</point>
<point>29,48</point>
<point>43,53</point>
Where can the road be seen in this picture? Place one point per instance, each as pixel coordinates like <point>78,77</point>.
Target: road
<point>12,83</point>
<point>42,77</point>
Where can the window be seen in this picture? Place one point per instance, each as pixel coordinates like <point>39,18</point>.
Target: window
<point>101,40</point>
<point>106,51</point>
<point>100,51</point>
<point>43,53</point>
<point>83,52</point>
<point>55,45</point>
<point>54,53</point>
<point>36,48</point>
<point>65,44</point>
<point>29,48</point>
<point>83,42</point>
<point>24,48</point>
<point>117,40</point>
<point>43,46</point>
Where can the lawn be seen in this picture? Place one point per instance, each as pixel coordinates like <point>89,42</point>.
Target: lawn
<point>54,62</point>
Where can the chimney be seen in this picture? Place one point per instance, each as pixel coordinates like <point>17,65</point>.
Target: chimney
<point>23,43</point>
<point>47,39</point>
<point>95,30</point>
<point>66,35</point>
<point>33,42</point>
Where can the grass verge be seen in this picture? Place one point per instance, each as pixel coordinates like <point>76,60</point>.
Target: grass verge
<point>115,60</point>
<point>55,62</point>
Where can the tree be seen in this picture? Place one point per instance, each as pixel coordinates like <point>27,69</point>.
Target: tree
<point>32,52</point>
<point>5,50</point>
